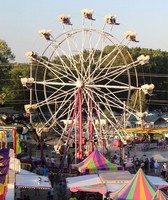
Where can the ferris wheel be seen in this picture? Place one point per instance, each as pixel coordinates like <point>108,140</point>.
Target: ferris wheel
<point>83,78</point>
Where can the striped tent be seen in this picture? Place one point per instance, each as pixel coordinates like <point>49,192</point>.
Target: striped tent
<point>100,188</point>
<point>159,195</point>
<point>139,188</point>
<point>94,163</point>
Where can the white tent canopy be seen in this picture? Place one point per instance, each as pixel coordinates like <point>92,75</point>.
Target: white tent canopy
<point>26,179</point>
<point>157,181</point>
<point>84,180</point>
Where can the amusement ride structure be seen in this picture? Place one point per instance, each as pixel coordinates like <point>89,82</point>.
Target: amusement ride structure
<point>83,77</point>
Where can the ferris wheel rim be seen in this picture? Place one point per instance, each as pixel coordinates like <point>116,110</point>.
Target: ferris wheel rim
<point>48,84</point>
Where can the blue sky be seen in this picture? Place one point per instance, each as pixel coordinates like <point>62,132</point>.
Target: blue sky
<point>20,20</point>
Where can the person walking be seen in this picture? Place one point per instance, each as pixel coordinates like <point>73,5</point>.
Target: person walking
<point>152,161</point>
<point>137,164</point>
<point>51,194</point>
<point>69,160</point>
<point>156,167</point>
<point>164,170</point>
<point>52,159</point>
<point>146,166</point>
<point>60,191</point>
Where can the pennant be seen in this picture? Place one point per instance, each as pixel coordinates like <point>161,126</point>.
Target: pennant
<point>5,138</point>
<point>16,142</point>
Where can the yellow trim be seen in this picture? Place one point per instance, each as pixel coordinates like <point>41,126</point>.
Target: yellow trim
<point>145,130</point>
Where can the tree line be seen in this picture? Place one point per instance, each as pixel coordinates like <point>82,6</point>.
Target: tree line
<point>14,95</point>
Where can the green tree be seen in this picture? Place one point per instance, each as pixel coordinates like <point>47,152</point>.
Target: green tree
<point>6,56</point>
<point>138,101</point>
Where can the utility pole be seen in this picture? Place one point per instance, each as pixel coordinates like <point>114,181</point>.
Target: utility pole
<point>31,97</point>
<point>140,106</point>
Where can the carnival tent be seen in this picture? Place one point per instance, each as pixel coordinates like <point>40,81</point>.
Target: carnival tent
<point>94,162</point>
<point>100,188</point>
<point>139,188</point>
<point>159,195</point>
<point>108,181</point>
<point>87,183</point>
<point>91,179</point>
<point>102,182</point>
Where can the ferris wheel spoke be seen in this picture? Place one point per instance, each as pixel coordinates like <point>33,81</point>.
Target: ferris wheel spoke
<point>117,86</point>
<point>65,67</point>
<point>93,48</point>
<point>58,117</point>
<point>110,81</point>
<point>57,98</point>
<point>112,99</point>
<point>123,67</point>
<point>89,113</point>
<point>54,69</point>
<point>64,99</point>
<point>107,97</point>
<point>62,56</point>
<point>83,49</point>
<point>103,114</point>
<point>74,62</point>
<point>123,104</point>
<point>113,87</point>
<point>110,64</point>
<point>115,72</point>
<point>98,65</point>
<point>55,83</point>
<point>77,53</point>
<point>95,102</point>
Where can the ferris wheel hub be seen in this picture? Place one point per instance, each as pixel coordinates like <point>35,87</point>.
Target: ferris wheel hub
<point>79,83</point>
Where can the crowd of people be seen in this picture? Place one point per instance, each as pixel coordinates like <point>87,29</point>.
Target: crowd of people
<point>149,165</point>
<point>59,190</point>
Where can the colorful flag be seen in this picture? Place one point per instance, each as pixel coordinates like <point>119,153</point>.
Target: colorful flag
<point>16,142</point>
<point>3,139</point>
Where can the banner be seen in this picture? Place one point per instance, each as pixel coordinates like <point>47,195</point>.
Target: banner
<point>4,153</point>
<point>16,142</point>
<point>4,167</point>
<point>3,139</point>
